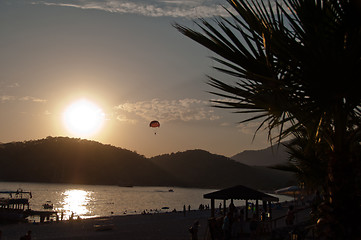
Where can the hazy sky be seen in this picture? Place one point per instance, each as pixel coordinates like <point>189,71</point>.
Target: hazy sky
<point>125,57</point>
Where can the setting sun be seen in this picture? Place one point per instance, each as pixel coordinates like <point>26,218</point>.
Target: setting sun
<point>83,118</point>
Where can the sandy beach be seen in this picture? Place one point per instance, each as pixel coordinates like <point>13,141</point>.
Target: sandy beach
<point>172,225</point>
<point>132,227</point>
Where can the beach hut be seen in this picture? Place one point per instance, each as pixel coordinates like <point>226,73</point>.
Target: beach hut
<point>240,192</point>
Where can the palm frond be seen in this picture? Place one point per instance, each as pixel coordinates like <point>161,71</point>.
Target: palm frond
<point>280,56</point>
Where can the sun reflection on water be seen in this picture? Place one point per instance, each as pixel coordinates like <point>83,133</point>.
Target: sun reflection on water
<point>75,203</point>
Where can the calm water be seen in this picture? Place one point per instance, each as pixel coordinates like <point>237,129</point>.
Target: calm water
<point>98,200</point>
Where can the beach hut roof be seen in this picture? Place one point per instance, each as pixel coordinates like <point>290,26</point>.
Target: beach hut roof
<point>240,192</point>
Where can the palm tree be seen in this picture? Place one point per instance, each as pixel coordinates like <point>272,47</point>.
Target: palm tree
<point>306,163</point>
<point>297,64</point>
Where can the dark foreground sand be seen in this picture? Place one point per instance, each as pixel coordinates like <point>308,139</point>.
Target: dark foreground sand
<point>142,227</point>
<point>131,227</point>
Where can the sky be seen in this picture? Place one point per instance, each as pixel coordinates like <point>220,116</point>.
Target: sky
<point>126,62</point>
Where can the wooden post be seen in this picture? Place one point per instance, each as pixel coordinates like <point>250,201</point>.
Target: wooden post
<point>270,210</point>
<point>257,209</point>
<point>212,207</point>
<point>224,207</point>
<point>264,216</point>
<point>246,209</point>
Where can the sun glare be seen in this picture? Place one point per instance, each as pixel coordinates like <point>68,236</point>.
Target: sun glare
<point>75,203</point>
<point>83,118</point>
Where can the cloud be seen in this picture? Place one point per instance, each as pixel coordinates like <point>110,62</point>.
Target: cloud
<point>249,128</point>
<point>124,118</point>
<point>8,98</point>
<point>33,99</point>
<point>153,8</point>
<point>13,85</point>
<point>167,110</point>
<point>5,86</point>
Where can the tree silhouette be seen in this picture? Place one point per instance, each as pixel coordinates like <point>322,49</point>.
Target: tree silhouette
<point>296,64</point>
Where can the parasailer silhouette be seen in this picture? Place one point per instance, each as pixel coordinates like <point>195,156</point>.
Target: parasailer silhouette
<point>154,124</point>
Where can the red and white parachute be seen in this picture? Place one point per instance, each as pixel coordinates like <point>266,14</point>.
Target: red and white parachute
<point>154,124</point>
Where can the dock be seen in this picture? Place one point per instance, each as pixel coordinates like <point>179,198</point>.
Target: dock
<point>43,215</point>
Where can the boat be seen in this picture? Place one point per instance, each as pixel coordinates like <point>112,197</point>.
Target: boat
<point>48,205</point>
<point>14,205</point>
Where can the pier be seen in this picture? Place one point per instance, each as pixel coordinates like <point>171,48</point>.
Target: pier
<point>43,215</point>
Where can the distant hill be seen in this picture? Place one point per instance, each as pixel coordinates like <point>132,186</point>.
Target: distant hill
<point>264,157</point>
<point>211,170</point>
<point>71,160</point>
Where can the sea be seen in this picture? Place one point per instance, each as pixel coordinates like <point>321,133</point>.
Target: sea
<point>89,201</point>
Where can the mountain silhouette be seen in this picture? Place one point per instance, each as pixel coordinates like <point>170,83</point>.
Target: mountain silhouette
<point>270,156</point>
<point>73,160</point>
<point>210,170</point>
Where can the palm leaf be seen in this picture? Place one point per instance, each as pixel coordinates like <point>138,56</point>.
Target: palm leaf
<point>288,59</point>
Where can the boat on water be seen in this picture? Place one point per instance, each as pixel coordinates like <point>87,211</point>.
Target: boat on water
<point>48,205</point>
<point>14,205</point>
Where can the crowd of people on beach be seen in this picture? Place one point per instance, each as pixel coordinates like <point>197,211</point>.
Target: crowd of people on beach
<point>185,209</point>
<point>234,223</point>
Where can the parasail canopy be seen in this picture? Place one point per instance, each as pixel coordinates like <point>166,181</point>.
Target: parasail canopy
<point>154,124</point>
